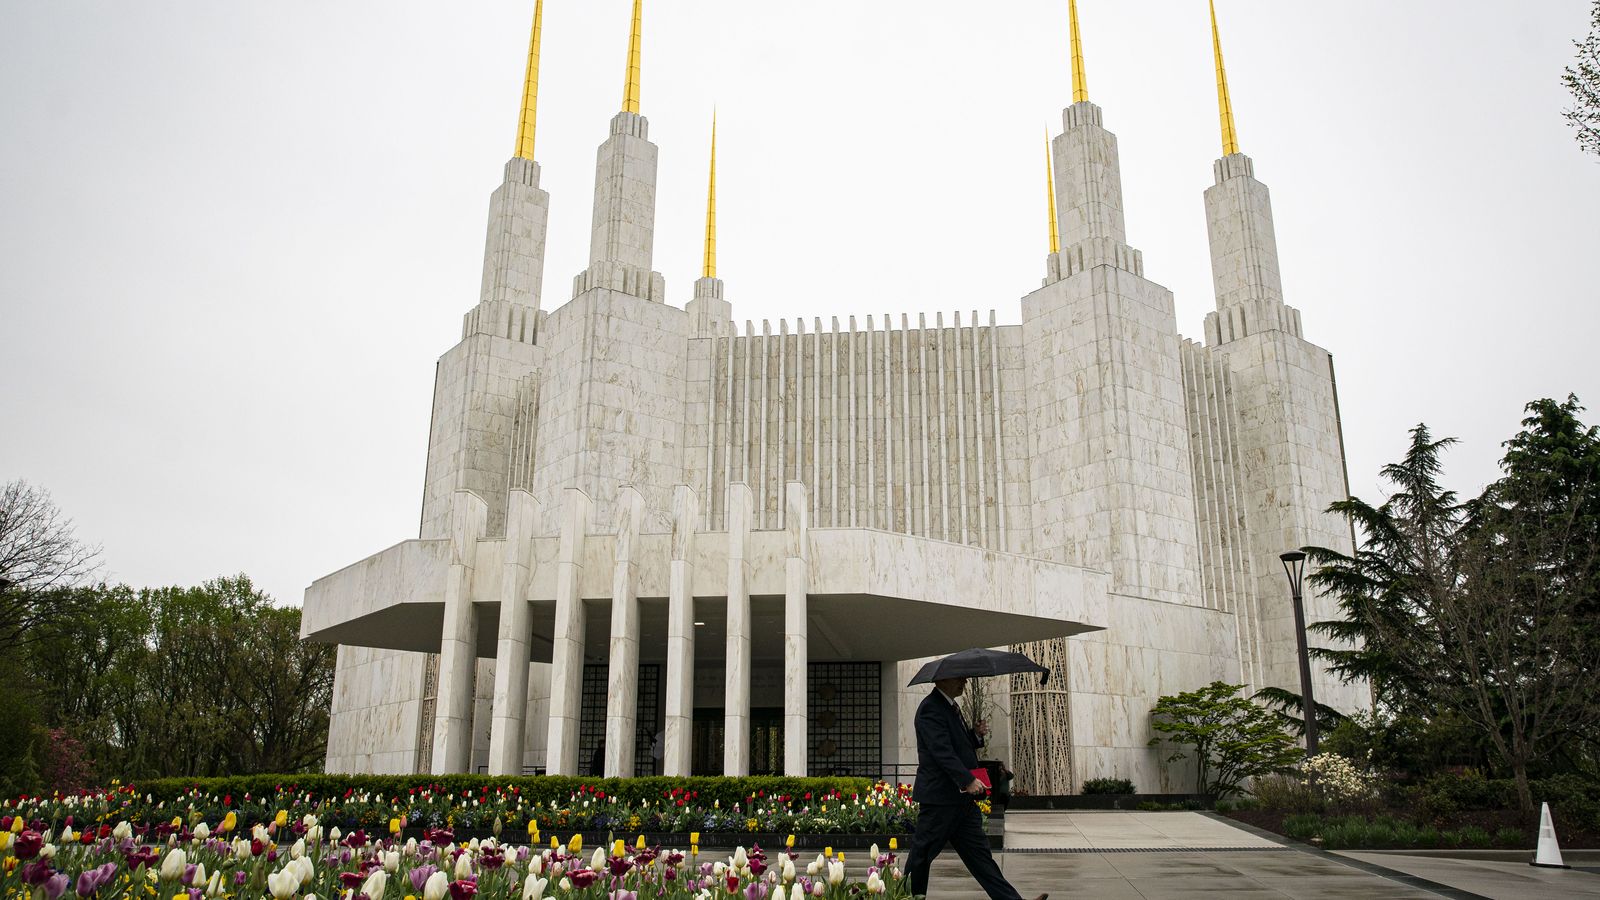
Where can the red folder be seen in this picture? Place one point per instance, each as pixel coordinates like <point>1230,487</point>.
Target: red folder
<point>983,776</point>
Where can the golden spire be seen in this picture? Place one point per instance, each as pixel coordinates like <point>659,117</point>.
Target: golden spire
<point>1080,81</point>
<point>711,207</point>
<point>1050,195</point>
<point>630,88</point>
<point>1230,135</point>
<point>526,125</point>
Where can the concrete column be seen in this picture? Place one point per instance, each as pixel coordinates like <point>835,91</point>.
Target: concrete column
<point>566,663</point>
<point>796,582</point>
<point>736,692</point>
<point>458,645</point>
<point>622,694</point>
<point>679,727</point>
<point>516,630</point>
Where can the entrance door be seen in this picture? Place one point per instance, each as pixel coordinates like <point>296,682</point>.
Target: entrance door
<point>710,741</point>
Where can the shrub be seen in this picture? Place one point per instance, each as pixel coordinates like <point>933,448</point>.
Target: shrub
<point>1337,780</point>
<point>1108,786</point>
<point>1286,794</point>
<point>1572,799</point>
<point>1510,837</point>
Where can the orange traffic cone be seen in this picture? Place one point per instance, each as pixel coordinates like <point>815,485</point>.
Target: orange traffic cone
<point>1549,853</point>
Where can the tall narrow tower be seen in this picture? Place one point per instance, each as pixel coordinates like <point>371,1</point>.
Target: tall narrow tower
<point>709,312</point>
<point>1289,432</point>
<point>1112,485</point>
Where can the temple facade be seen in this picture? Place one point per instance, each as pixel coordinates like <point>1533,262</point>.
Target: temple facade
<point>656,539</point>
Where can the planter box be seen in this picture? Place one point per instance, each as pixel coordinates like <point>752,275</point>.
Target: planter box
<point>1106,801</point>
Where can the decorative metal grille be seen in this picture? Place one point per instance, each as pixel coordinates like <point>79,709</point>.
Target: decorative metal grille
<point>845,718</point>
<point>1041,722</point>
<point>430,700</point>
<point>592,726</point>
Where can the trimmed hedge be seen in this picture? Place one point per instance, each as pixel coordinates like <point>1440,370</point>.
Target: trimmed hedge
<point>535,788</point>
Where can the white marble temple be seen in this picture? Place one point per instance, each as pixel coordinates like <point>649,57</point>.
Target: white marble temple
<point>623,484</point>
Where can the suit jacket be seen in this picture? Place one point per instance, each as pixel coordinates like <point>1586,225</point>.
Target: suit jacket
<point>947,752</point>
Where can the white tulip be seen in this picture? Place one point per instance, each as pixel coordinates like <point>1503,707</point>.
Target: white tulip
<point>199,875</point>
<point>874,853</point>
<point>533,888</point>
<point>282,885</point>
<point>214,886</point>
<point>298,850</point>
<point>411,847</point>
<point>787,870</point>
<point>463,867</point>
<point>536,864</point>
<point>67,836</point>
<point>875,884</point>
<point>333,835</point>
<point>123,831</point>
<point>817,890</point>
<point>48,851</point>
<point>740,860</point>
<point>202,831</point>
<point>172,865</point>
<point>436,887</point>
<point>597,862</point>
<point>566,884</point>
<point>391,861</point>
<point>305,869</point>
<point>375,883</point>
<point>836,873</point>
<point>796,893</point>
<point>472,845</point>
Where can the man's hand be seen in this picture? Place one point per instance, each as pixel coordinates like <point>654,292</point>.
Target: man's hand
<point>982,728</point>
<point>976,787</point>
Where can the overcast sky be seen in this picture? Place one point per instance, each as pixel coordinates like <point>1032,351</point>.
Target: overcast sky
<point>234,237</point>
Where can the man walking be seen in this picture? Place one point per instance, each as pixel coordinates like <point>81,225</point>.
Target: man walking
<point>948,792</point>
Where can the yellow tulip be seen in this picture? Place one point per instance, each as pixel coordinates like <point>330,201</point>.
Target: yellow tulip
<point>5,839</point>
<point>555,842</point>
<point>177,821</point>
<point>694,837</point>
<point>16,824</point>
<point>828,852</point>
<point>229,822</point>
<point>619,847</point>
<point>281,819</point>
<point>576,844</point>
<point>894,843</point>
<point>394,826</point>
<point>638,842</point>
<point>533,828</point>
<point>789,842</point>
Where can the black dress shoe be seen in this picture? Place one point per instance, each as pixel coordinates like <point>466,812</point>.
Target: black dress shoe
<point>1042,897</point>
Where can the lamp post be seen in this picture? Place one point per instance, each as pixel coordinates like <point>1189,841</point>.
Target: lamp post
<point>1294,565</point>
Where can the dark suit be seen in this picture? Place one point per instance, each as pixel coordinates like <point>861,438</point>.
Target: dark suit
<point>946,755</point>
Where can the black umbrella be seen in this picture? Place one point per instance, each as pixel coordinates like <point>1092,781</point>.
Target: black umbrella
<point>978,663</point>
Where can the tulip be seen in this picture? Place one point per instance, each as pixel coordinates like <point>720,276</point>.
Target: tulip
<point>894,844</point>
<point>55,886</point>
<point>214,886</point>
<point>533,888</point>
<point>836,873</point>
<point>740,860</point>
<point>305,869</point>
<point>875,884</point>
<point>123,831</point>
<point>202,831</point>
<point>27,844</point>
<point>597,862</point>
<point>17,824</point>
<point>786,871</point>
<point>67,836</point>
<point>391,861</point>
<point>172,866</point>
<point>282,885</point>
<point>575,846</point>
<point>817,890</point>
<point>229,822</point>
<point>436,887</point>
<point>463,890</point>
<point>375,884</point>
<point>419,877</point>
<point>619,847</point>
<point>463,868</point>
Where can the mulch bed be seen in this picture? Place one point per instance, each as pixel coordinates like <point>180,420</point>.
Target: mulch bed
<point>1570,836</point>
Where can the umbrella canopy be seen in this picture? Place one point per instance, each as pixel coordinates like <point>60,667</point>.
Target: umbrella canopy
<point>978,663</point>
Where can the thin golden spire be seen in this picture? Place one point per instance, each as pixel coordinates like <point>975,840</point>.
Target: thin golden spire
<point>1050,194</point>
<point>526,124</point>
<point>1080,80</point>
<point>630,88</point>
<point>711,207</point>
<point>1230,134</point>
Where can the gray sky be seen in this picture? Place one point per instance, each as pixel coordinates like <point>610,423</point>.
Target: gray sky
<point>235,237</point>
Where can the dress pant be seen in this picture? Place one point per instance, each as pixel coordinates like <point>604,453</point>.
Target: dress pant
<point>962,827</point>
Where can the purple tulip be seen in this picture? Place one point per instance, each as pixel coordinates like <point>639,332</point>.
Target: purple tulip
<point>37,872</point>
<point>188,874</point>
<point>55,886</point>
<point>755,891</point>
<point>195,893</point>
<point>419,877</point>
<point>239,878</point>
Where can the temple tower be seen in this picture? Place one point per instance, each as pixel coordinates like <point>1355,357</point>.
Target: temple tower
<point>1288,440</point>
<point>1111,485</point>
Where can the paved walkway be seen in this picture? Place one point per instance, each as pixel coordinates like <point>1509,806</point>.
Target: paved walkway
<point>1156,856</point>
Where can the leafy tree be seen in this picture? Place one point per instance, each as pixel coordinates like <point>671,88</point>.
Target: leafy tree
<point>39,556</point>
<point>1487,609</point>
<point>1583,80</point>
<point>1232,738</point>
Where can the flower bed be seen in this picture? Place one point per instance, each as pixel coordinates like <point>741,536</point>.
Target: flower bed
<point>299,859</point>
<point>494,805</point>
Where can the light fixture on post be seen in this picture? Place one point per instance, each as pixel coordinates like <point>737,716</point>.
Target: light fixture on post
<point>1294,565</point>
